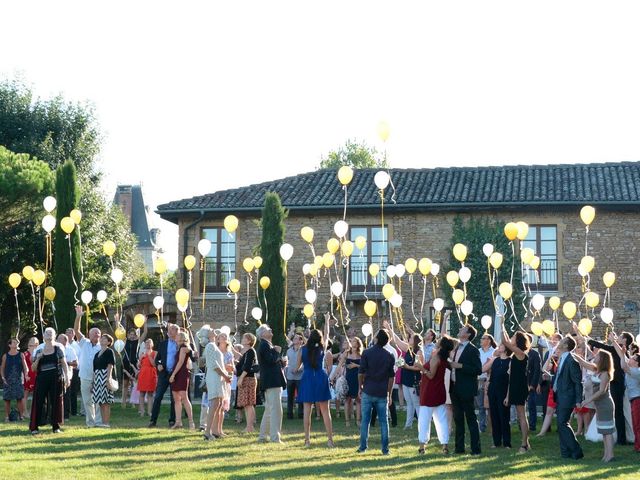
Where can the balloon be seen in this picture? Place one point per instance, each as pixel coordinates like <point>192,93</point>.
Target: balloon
<point>381,179</point>
<point>458,296</point>
<point>396,300</point>
<point>374,269</point>
<point>638,339</point>
<point>158,302</point>
<point>183,308</point>
<point>76,216</point>
<point>438,304</point>
<point>496,260</point>
<point>234,285</point>
<point>118,345</point>
<point>383,131</point>
<point>160,266</point>
<point>116,275</point>
<point>486,322</point>
<point>67,225</point>
<point>582,271</point>
<point>425,265</point>
<point>248,264</point>
<point>538,301</point>
<point>109,248</point>
<point>592,299</point>
<point>27,273</point>
<point>367,329</point>
<point>506,290</point>
<point>204,247</point>
<point>347,248</point>
<point>536,328</point>
<point>308,310</point>
<point>310,296</point>
<point>225,329</point>
<point>410,265</point>
<point>313,270</point>
<point>333,245</point>
<point>50,293</point>
<point>435,269</point>
<point>138,320</point>
<point>487,249</point>
<point>336,289</point>
<point>230,223</point>
<point>361,242</point>
<point>466,307</point>
<point>535,262</point>
<point>587,214</point>
<point>345,174</point>
<point>286,251</point>
<point>464,274</point>
<point>256,313</point>
<point>182,296</point>
<point>453,278</point>
<point>588,262</point>
<point>120,333</point>
<point>341,228</point>
<point>548,327</point>
<point>523,230</point>
<point>49,203</point>
<point>511,231</point>
<point>526,255</point>
<point>609,279</point>
<point>14,280</point>
<point>460,252</point>
<point>370,308</point>
<point>584,326</point>
<point>48,223</point>
<point>327,260</point>
<point>86,297</point>
<point>388,290</point>
<point>257,262</point>
<point>400,270</point>
<point>306,269</point>
<point>189,262</point>
<point>606,314</point>
<point>38,277</point>
<point>391,271</point>
<point>569,309</point>
<point>265,282</point>
<point>307,234</point>
<point>317,261</point>
<point>554,303</point>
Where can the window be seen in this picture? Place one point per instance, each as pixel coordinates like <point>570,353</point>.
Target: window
<point>220,263</point>
<point>543,239</point>
<point>376,251</point>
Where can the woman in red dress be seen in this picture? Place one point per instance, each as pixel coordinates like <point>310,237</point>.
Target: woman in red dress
<point>30,384</point>
<point>180,381</point>
<point>147,377</point>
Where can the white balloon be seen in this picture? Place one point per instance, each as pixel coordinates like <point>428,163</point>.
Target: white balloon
<point>204,247</point>
<point>286,251</point>
<point>367,329</point>
<point>225,329</point>
<point>306,269</point>
<point>183,308</point>
<point>381,179</point>
<point>48,223</point>
<point>582,271</point>
<point>606,314</point>
<point>464,274</point>
<point>256,313</point>
<point>341,228</point>
<point>86,297</point>
<point>438,304</point>
<point>101,296</point>
<point>118,345</point>
<point>435,269</point>
<point>49,203</point>
<point>466,307</point>
<point>158,302</point>
<point>638,338</point>
<point>486,322</point>
<point>336,289</point>
<point>400,270</point>
<point>391,271</point>
<point>487,249</point>
<point>396,300</point>
<point>537,301</point>
<point>117,275</point>
<point>310,295</point>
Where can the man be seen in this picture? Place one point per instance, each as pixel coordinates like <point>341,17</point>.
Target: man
<point>465,368</point>
<point>74,388</point>
<point>165,362</point>
<point>567,391</point>
<point>72,362</point>
<point>88,349</point>
<point>375,380</point>
<point>293,376</point>
<point>487,347</point>
<point>624,340</point>
<point>273,381</point>
<point>534,376</point>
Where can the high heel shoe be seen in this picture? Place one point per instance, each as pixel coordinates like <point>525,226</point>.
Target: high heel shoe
<point>176,426</point>
<point>192,426</point>
<point>330,444</point>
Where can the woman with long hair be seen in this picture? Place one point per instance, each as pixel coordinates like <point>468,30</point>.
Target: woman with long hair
<point>227,359</point>
<point>246,369</point>
<point>350,363</point>
<point>217,380</point>
<point>518,389</point>
<point>103,364</point>
<point>179,380</point>
<point>314,385</point>
<point>498,369</point>
<point>14,373</point>
<point>410,372</point>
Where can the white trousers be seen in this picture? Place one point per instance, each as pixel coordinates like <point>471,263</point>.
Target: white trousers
<point>439,415</point>
<point>413,403</point>
<point>272,418</point>
<point>92,414</point>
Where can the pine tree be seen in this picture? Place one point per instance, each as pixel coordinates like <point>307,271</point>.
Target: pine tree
<point>67,196</point>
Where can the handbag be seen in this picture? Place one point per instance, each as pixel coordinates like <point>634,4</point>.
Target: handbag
<point>112,383</point>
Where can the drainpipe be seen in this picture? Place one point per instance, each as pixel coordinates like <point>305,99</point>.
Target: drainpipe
<point>185,243</point>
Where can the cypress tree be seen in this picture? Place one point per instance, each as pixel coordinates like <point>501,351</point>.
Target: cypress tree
<point>273,229</point>
<point>67,196</point>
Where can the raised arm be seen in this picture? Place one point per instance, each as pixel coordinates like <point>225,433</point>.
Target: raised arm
<point>511,344</point>
<point>145,332</point>
<point>443,322</point>
<point>76,323</point>
<point>583,363</point>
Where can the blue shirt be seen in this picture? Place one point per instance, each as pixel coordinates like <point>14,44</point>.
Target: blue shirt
<point>376,365</point>
<point>172,348</point>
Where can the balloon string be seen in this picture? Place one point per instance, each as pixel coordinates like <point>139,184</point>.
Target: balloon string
<point>344,214</point>
<point>413,311</point>
<point>73,277</point>
<point>493,297</point>
<point>246,308</point>
<point>15,293</point>
<point>266,308</point>
<point>381,193</point>
<point>87,322</point>
<point>80,244</point>
<point>286,293</point>
<point>33,297</point>
<point>420,324</point>
<point>190,276</point>
<point>204,280</point>
<point>513,260</point>
<point>53,310</point>
<point>235,312</point>
<point>41,320</point>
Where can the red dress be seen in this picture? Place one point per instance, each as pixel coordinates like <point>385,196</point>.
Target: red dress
<point>148,376</point>
<point>31,383</point>
<point>181,377</point>
<point>432,391</point>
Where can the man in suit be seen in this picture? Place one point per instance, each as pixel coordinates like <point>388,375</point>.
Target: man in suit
<point>567,390</point>
<point>534,376</point>
<point>273,381</point>
<point>465,368</point>
<point>165,362</point>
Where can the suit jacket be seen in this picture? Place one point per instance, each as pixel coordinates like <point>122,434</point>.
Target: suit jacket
<point>568,383</point>
<point>466,385</point>
<point>534,369</point>
<point>161,354</point>
<point>271,374</point>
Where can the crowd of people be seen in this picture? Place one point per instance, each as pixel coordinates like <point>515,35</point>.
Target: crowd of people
<point>448,381</point>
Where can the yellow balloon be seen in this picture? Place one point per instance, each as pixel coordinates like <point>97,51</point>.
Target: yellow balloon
<point>548,327</point>
<point>345,174</point>
<point>526,255</point>
<point>587,214</point>
<point>67,225</point>
<point>138,320</point>
<point>50,293</point>
<point>388,291</point>
<point>109,248</point>
<point>333,245</point>
<point>523,230</point>
<point>182,296</point>
<point>38,277</point>
<point>511,231</point>
<point>120,333</point>
<point>383,131</point>
<point>307,234</point>
<point>569,309</point>
<point>265,282</point>
<point>14,280</point>
<point>609,279</point>
<point>496,260</point>
<point>584,326</point>
<point>234,285</point>
<point>370,308</point>
<point>536,328</point>
<point>76,216</point>
<point>308,310</point>
<point>535,262</point>
<point>230,223</point>
<point>410,265</point>
<point>554,303</point>
<point>257,262</point>
<point>189,262</point>
<point>424,265</point>
<point>317,261</point>
<point>588,263</point>
<point>248,264</point>
<point>374,269</point>
<point>327,259</point>
<point>361,242</point>
<point>453,278</point>
<point>313,271</point>
<point>347,248</point>
<point>592,299</point>
<point>458,296</point>
<point>506,290</point>
<point>27,273</point>
<point>460,252</point>
<point>160,265</point>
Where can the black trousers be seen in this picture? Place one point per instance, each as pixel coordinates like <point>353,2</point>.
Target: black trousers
<point>500,416</point>
<point>617,393</point>
<point>569,446</point>
<point>532,404</point>
<point>46,406</point>
<point>464,408</point>
<point>71,395</point>
<point>161,389</point>
<point>292,387</point>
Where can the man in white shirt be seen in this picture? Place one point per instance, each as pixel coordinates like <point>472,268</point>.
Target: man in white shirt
<point>88,349</point>
<point>487,348</point>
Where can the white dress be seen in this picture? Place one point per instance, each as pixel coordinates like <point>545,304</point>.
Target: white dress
<point>213,358</point>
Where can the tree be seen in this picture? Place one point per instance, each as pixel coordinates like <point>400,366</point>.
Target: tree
<point>354,154</point>
<point>273,230</point>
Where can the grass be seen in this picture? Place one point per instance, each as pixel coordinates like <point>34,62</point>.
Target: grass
<point>129,450</point>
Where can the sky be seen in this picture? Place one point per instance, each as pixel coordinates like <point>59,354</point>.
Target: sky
<point>199,96</point>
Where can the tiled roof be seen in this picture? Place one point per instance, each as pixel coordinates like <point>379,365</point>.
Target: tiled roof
<point>468,187</point>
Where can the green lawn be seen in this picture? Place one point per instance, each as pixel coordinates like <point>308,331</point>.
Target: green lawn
<point>129,450</point>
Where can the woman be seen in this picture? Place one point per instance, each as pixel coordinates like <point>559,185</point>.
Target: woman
<point>30,383</point>
<point>601,398</point>
<point>179,380</point>
<point>14,373</point>
<point>632,386</point>
<point>51,380</point>
<point>247,384</point>
<point>217,379</point>
<point>103,364</point>
<point>518,388</point>
<point>129,364</point>
<point>549,370</point>
<point>147,377</point>
<point>227,357</point>
<point>433,396</point>
<point>351,363</point>
<point>314,385</point>
<point>498,368</point>
<point>584,414</point>
<point>410,374</point>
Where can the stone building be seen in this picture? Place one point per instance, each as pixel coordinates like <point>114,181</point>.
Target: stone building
<point>419,210</point>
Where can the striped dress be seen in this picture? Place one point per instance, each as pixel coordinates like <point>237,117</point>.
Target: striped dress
<point>605,409</point>
<point>100,393</point>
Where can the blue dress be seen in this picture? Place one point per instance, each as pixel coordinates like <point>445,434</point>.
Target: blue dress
<point>352,377</point>
<point>314,385</point>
